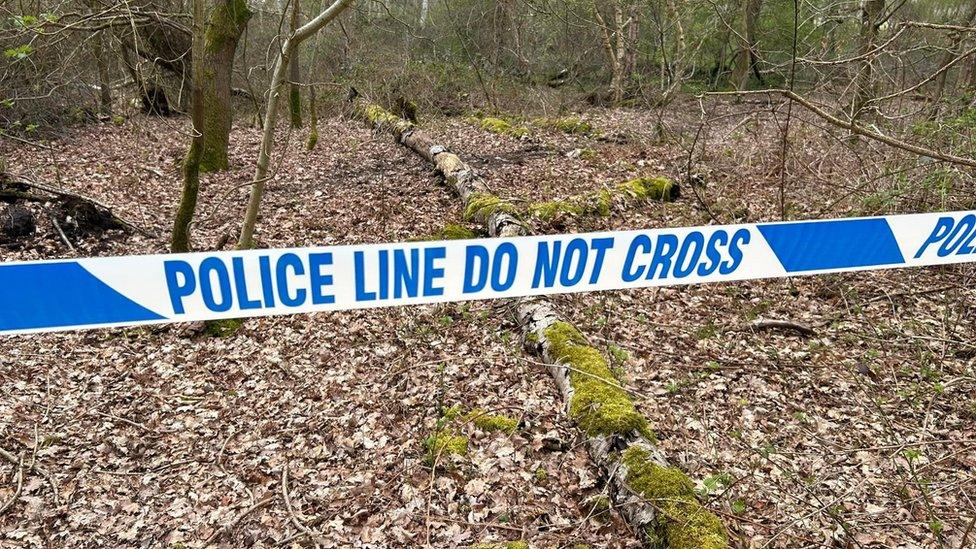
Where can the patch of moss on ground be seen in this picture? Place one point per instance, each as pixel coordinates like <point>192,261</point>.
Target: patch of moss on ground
<point>682,520</point>
<point>599,405</point>
<point>650,188</point>
<point>223,328</point>
<point>567,124</point>
<point>500,126</point>
<point>491,423</point>
<point>453,231</point>
<point>442,445</point>
<point>481,206</point>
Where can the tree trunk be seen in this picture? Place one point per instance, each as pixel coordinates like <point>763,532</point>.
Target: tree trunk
<point>246,240</point>
<point>614,55</point>
<point>424,10</point>
<point>294,74</point>
<point>104,80</point>
<point>871,12</point>
<point>313,119</point>
<point>748,56</point>
<point>191,165</point>
<point>224,28</point>
<point>951,52</point>
<point>656,500</point>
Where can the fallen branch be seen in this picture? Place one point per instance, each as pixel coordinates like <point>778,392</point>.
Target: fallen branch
<point>856,128</point>
<point>60,231</point>
<point>20,180</point>
<point>291,512</point>
<point>480,204</point>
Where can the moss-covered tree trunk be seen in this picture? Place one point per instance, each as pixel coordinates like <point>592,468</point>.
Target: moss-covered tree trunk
<point>295,74</point>
<point>224,28</point>
<point>191,164</point>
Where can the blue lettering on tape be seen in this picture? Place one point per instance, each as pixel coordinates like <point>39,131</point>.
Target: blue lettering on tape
<point>821,245</point>
<point>51,295</point>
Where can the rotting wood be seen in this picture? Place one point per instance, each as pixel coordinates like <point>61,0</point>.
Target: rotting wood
<point>657,500</point>
<point>17,180</point>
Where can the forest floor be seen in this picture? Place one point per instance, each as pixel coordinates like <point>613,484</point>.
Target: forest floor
<point>863,434</point>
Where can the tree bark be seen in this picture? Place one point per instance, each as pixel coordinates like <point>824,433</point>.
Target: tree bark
<point>871,12</point>
<point>225,25</point>
<point>294,74</point>
<point>246,239</point>
<point>191,165</point>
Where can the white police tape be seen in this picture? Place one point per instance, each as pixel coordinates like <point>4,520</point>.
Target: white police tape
<point>40,296</point>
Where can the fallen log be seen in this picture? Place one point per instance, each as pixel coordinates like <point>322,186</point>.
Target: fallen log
<point>480,204</point>
<point>658,501</point>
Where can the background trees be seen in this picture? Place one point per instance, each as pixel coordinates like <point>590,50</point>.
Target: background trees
<point>72,62</point>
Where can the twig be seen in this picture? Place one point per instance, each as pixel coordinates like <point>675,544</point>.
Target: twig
<point>37,469</point>
<point>229,527</point>
<point>57,227</point>
<point>20,485</point>
<point>291,512</point>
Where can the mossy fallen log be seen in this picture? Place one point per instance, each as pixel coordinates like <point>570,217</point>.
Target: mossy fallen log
<point>657,500</point>
<point>639,190</point>
<point>480,204</point>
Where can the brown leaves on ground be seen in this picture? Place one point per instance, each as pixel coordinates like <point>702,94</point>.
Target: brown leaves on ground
<point>861,434</point>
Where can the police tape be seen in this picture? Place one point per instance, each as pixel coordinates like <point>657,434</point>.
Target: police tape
<point>41,296</point>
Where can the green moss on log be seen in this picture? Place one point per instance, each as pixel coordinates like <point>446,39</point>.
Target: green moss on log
<point>600,202</point>
<point>481,206</point>
<point>547,211</point>
<point>380,117</point>
<point>599,405</point>
<point>682,521</point>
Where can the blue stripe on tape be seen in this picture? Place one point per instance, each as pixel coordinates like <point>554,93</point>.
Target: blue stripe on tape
<point>50,295</point>
<point>820,245</point>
